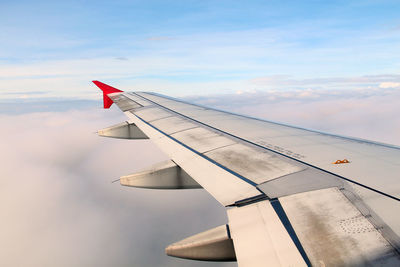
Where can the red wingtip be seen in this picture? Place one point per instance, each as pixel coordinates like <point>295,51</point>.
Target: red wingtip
<point>107,102</point>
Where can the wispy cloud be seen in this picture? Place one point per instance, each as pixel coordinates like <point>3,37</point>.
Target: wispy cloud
<point>122,58</point>
<point>389,85</point>
<point>160,38</point>
<point>361,82</point>
<point>25,93</point>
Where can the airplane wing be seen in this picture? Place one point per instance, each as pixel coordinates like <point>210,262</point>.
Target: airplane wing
<point>294,197</point>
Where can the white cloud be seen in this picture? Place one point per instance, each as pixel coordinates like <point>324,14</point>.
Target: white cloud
<point>349,82</point>
<point>160,38</point>
<point>389,85</point>
<point>59,208</point>
<point>190,63</point>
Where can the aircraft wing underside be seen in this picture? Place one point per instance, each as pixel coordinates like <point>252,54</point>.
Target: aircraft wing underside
<point>293,196</point>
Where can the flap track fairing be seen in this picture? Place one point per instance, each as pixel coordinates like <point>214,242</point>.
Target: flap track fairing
<point>212,245</point>
<point>125,130</point>
<point>164,175</point>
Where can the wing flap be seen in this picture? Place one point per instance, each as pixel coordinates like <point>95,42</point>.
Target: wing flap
<point>255,164</point>
<point>152,113</point>
<point>260,238</point>
<point>202,139</point>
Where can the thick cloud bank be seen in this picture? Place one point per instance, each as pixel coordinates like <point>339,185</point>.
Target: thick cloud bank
<point>59,207</point>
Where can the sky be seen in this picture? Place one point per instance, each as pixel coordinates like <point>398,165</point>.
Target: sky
<point>55,48</point>
<point>332,67</point>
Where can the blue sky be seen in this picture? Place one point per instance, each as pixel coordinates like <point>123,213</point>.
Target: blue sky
<point>197,47</point>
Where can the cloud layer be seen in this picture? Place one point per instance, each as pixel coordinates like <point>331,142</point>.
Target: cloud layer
<point>59,208</point>
<point>58,205</point>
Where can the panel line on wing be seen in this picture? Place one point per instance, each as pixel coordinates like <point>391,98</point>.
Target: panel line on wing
<point>161,118</point>
<point>205,152</point>
<point>194,127</point>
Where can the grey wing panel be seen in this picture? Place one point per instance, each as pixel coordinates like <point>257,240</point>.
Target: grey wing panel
<point>257,165</point>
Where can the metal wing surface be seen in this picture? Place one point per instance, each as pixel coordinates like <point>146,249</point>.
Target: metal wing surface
<point>293,196</point>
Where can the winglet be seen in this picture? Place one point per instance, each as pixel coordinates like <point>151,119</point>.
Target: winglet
<point>106,90</point>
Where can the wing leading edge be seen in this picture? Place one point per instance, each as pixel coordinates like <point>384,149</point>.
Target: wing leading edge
<point>287,204</point>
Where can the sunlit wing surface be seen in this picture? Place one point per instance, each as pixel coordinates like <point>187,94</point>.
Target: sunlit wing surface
<point>294,197</point>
